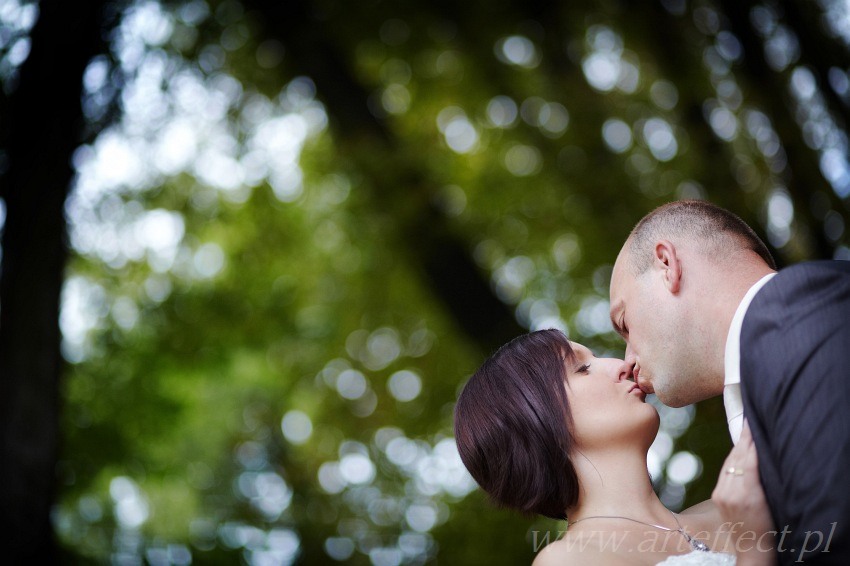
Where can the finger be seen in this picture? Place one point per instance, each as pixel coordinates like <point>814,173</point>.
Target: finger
<point>734,461</point>
<point>726,482</point>
<point>740,458</point>
<point>727,463</point>
<point>735,457</point>
<point>746,433</point>
<point>751,462</point>
<point>746,441</point>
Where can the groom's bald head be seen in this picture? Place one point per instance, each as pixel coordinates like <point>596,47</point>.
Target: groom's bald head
<point>713,230</point>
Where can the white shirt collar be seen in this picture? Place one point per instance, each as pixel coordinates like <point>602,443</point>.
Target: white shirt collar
<point>732,360</point>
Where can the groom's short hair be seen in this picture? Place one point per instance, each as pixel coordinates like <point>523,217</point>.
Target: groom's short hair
<point>713,228</point>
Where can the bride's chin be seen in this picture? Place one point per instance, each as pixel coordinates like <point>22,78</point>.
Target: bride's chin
<point>642,431</point>
<point>651,425</point>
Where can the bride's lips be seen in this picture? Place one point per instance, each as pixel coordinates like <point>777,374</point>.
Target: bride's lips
<point>639,393</point>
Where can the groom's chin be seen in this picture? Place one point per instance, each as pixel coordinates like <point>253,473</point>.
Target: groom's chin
<point>645,386</point>
<point>672,400</point>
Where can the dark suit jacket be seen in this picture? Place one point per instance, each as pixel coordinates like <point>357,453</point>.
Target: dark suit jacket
<point>795,384</point>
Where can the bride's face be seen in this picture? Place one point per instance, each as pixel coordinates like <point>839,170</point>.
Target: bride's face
<point>605,403</point>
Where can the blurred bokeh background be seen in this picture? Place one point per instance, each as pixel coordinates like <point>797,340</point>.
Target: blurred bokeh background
<point>251,250</point>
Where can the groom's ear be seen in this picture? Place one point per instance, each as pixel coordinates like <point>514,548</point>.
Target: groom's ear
<point>667,261</point>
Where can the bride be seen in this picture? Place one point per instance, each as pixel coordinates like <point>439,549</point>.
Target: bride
<point>546,428</point>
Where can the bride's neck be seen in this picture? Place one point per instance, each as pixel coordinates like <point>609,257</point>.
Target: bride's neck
<point>615,481</point>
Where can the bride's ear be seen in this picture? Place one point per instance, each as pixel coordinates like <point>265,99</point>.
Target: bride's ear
<point>666,259</point>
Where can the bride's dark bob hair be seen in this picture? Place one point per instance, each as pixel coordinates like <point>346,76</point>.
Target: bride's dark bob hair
<point>512,426</point>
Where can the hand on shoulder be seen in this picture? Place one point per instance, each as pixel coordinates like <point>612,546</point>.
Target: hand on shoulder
<point>740,500</point>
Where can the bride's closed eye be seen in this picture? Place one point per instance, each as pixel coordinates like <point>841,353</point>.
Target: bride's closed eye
<point>583,368</point>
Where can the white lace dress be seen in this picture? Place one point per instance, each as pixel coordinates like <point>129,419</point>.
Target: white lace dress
<point>700,558</point>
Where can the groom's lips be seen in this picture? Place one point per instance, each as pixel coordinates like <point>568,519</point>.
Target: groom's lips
<point>645,387</point>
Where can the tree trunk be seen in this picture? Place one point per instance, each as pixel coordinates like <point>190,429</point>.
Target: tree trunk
<point>39,139</point>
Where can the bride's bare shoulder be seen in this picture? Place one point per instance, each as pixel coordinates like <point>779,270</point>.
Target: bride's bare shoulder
<point>703,516</point>
<point>703,508</point>
<point>571,550</point>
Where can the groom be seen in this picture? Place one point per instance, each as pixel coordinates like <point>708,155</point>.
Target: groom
<point>696,296</point>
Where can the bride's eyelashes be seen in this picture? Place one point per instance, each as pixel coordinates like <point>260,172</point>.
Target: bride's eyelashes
<point>584,368</point>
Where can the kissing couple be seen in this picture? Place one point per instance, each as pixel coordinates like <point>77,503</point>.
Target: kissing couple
<point>545,427</point>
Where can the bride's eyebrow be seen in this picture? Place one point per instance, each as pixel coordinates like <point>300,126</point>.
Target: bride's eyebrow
<point>584,352</point>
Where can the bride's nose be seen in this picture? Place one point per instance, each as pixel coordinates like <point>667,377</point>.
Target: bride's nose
<point>625,370</point>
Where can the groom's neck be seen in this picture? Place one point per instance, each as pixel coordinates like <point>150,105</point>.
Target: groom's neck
<point>720,287</point>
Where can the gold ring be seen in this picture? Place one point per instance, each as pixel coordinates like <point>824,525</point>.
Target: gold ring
<point>734,471</point>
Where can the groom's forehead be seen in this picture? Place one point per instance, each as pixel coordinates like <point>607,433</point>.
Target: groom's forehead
<point>620,277</point>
